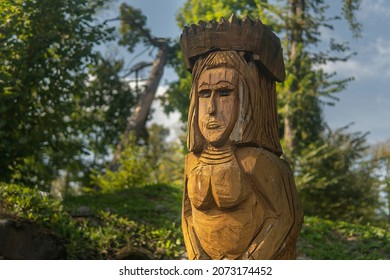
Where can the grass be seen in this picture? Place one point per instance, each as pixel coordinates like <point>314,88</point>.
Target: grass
<point>156,205</point>
<point>337,240</point>
<point>160,207</point>
<point>139,221</point>
<point>144,222</point>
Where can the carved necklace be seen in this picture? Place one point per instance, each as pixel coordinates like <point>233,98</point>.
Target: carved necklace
<point>213,156</point>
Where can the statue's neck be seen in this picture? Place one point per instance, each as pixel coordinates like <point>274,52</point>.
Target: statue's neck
<point>217,155</point>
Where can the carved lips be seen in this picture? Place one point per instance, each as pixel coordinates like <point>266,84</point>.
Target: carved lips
<point>213,125</point>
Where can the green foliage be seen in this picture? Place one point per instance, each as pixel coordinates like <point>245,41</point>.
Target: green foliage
<point>157,204</point>
<point>106,107</point>
<point>62,106</point>
<point>146,219</point>
<point>140,217</point>
<point>46,47</point>
<point>165,158</point>
<point>114,223</point>
<point>34,205</point>
<point>336,182</point>
<point>195,10</point>
<point>134,170</point>
<point>381,155</point>
<point>114,234</point>
<point>133,27</point>
<point>327,240</point>
<point>350,7</point>
<point>156,161</point>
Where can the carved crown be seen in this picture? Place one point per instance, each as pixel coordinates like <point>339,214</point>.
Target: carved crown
<point>246,35</point>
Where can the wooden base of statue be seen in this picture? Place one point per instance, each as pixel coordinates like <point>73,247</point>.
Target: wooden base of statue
<point>240,200</point>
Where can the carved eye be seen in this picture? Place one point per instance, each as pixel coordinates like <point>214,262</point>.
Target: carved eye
<point>204,93</point>
<point>223,92</point>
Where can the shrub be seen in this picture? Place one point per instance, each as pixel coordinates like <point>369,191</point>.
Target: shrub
<point>133,170</point>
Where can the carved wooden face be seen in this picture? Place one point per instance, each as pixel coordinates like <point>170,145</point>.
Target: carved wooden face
<point>218,104</point>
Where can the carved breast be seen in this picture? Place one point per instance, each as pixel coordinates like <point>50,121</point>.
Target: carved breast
<point>221,186</point>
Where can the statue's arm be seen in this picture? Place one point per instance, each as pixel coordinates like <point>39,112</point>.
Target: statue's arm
<point>193,248</point>
<point>187,211</point>
<point>275,188</point>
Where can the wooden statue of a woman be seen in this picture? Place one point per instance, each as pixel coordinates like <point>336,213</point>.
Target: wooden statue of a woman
<point>240,200</point>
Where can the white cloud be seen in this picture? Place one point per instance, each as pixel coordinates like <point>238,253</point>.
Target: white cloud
<point>381,57</point>
<point>350,68</point>
<point>373,60</point>
<point>383,47</point>
<point>370,8</point>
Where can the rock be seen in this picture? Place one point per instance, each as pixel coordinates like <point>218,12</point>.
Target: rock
<point>134,253</point>
<point>83,211</point>
<point>25,240</point>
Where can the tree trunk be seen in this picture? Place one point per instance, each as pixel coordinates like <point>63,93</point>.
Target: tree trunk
<point>288,131</point>
<point>295,37</point>
<point>137,121</point>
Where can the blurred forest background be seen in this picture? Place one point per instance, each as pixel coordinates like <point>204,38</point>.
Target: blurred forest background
<point>78,158</point>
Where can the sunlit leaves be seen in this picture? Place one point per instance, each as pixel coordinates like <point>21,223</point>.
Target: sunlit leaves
<point>45,49</point>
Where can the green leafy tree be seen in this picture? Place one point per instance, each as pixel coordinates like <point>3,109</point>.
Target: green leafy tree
<point>381,153</point>
<point>156,161</point>
<point>337,181</point>
<point>45,49</point>
<point>133,170</point>
<point>105,109</point>
<point>166,158</point>
<point>306,83</point>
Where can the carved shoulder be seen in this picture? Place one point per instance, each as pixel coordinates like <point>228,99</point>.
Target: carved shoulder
<point>191,160</point>
<point>272,178</point>
<point>254,160</point>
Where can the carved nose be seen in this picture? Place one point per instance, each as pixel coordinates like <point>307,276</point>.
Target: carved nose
<point>211,105</point>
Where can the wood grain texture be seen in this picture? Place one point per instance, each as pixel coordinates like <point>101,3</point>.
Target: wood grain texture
<point>240,199</point>
<point>234,34</point>
<point>246,208</point>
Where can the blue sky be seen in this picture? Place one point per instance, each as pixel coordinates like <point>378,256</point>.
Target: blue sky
<point>366,102</point>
